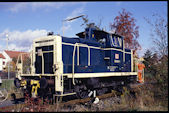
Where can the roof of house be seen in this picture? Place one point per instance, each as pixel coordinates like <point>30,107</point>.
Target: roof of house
<point>1,56</point>
<point>13,54</point>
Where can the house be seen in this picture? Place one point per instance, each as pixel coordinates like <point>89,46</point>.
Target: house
<point>2,62</point>
<point>8,56</point>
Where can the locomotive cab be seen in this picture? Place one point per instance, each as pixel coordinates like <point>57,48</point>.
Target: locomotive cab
<point>104,38</point>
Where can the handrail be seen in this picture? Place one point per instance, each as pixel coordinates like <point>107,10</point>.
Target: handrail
<point>123,52</point>
<point>22,64</point>
<point>20,57</point>
<point>137,68</point>
<point>88,56</point>
<point>42,63</point>
<point>76,44</point>
<point>31,61</point>
<point>143,74</point>
<point>74,50</point>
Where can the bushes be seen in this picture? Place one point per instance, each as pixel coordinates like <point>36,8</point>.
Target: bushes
<point>157,68</point>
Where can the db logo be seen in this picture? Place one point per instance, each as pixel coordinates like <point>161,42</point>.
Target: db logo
<point>116,56</point>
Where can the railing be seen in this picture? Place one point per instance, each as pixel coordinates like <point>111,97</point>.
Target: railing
<point>24,63</point>
<point>74,50</point>
<point>143,75</point>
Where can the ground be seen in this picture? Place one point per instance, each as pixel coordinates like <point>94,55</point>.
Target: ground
<point>144,97</point>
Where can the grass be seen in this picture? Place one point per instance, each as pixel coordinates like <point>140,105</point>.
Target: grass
<point>147,97</point>
<point>144,100</point>
<point>7,84</point>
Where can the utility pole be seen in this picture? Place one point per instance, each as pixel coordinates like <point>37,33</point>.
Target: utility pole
<point>7,40</point>
<point>8,61</point>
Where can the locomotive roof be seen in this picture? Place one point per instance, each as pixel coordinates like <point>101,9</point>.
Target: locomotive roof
<point>98,33</point>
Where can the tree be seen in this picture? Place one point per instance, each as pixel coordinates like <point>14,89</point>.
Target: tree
<point>159,34</point>
<point>14,59</point>
<point>125,25</point>
<point>151,62</point>
<point>147,60</point>
<point>12,66</point>
<point>26,64</point>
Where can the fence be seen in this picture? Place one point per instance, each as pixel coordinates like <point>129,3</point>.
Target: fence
<point>4,75</point>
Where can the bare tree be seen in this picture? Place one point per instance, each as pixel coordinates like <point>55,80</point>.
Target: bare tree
<point>159,34</point>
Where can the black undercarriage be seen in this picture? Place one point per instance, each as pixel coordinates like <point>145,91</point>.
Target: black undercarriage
<point>82,86</point>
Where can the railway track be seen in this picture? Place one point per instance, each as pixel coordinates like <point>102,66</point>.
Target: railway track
<point>82,101</point>
<point>104,96</point>
<point>9,104</point>
<point>65,102</point>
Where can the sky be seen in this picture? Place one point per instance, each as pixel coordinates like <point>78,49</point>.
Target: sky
<point>25,21</point>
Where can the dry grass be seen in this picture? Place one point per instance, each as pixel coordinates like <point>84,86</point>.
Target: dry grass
<point>144,100</point>
<point>147,97</point>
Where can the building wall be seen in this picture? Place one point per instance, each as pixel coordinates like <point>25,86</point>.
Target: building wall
<point>1,64</point>
<point>7,58</point>
<point>4,65</point>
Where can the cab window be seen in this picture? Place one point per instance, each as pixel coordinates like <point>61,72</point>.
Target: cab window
<point>116,41</point>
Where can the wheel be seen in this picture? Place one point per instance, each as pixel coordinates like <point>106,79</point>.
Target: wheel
<point>17,83</point>
<point>101,91</point>
<point>80,92</point>
<point>119,90</point>
<point>43,83</point>
<point>3,95</point>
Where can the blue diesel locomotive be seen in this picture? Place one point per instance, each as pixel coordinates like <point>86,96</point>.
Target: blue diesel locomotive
<point>61,66</point>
